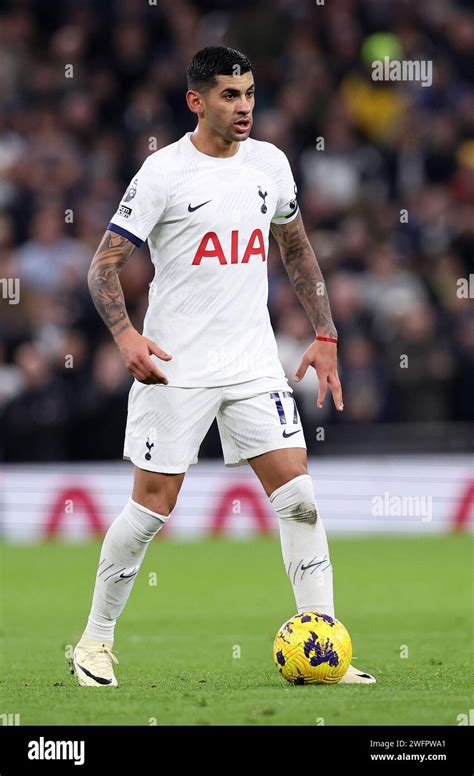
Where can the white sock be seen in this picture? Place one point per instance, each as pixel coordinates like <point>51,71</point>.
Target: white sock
<point>122,553</point>
<point>304,545</point>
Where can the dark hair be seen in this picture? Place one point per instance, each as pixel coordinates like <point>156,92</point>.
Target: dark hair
<point>212,61</point>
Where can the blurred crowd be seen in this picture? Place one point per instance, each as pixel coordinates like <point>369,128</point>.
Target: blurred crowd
<point>385,174</point>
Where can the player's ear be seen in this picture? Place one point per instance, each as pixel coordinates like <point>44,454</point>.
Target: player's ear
<point>194,101</point>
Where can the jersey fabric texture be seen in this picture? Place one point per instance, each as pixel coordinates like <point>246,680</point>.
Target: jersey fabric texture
<point>207,222</point>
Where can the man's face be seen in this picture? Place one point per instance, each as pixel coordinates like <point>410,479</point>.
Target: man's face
<point>229,105</point>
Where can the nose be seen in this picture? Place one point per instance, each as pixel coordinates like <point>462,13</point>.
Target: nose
<point>244,105</point>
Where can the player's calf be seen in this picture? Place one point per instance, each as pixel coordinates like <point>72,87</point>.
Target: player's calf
<point>122,554</point>
<point>304,545</point>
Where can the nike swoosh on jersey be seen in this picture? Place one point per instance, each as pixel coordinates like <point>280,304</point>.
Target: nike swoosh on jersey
<point>192,209</point>
<point>286,434</point>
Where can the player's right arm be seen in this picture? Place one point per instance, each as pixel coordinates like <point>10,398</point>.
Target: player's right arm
<point>106,292</point>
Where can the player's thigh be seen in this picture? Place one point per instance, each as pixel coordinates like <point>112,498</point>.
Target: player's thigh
<point>165,428</point>
<point>156,491</point>
<point>263,429</point>
<point>278,467</point>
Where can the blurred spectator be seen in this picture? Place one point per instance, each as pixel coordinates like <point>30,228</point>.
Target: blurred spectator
<point>51,260</point>
<point>34,423</point>
<point>100,417</point>
<point>11,381</point>
<point>389,291</point>
<point>421,366</point>
<point>464,374</point>
<point>365,384</point>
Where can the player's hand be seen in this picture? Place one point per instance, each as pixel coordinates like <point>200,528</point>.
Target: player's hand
<point>135,350</point>
<point>323,357</point>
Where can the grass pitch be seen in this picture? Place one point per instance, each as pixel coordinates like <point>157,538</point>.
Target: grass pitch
<point>196,647</point>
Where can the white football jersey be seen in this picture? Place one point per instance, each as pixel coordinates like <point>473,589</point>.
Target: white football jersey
<point>207,222</point>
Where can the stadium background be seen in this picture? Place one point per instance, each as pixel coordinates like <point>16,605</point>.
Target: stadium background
<point>68,148</point>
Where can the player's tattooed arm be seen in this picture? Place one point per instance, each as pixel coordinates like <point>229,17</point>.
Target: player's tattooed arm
<point>104,284</point>
<point>106,291</point>
<point>305,275</point>
<point>307,280</point>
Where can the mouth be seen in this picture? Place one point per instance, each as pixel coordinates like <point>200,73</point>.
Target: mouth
<point>242,125</point>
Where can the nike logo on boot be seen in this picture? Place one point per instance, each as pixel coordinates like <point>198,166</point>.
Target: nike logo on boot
<point>98,679</point>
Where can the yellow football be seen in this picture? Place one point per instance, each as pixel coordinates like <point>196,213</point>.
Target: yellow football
<point>312,648</point>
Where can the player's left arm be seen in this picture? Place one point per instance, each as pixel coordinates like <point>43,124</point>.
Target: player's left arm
<point>308,282</point>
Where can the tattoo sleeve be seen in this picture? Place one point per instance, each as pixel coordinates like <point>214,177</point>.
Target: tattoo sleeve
<point>305,275</point>
<point>103,281</point>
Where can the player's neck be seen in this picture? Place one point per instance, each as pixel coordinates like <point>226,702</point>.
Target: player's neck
<point>212,145</point>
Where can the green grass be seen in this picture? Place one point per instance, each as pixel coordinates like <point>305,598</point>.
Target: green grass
<point>175,640</point>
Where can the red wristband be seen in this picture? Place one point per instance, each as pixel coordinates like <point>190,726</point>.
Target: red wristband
<point>327,339</point>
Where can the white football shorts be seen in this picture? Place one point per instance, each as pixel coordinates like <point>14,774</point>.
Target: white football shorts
<point>166,424</point>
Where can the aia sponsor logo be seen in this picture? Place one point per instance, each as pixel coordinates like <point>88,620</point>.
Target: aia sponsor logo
<point>211,247</point>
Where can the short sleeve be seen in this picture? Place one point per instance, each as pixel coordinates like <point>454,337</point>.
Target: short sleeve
<point>287,206</point>
<point>142,205</point>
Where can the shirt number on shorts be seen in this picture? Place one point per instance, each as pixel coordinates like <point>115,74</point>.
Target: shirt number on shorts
<point>275,395</point>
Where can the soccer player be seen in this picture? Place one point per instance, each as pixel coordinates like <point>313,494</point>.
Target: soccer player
<point>206,204</point>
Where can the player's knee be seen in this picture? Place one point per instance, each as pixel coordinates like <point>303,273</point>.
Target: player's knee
<point>158,497</point>
<point>158,502</point>
<point>295,500</point>
<point>156,493</point>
